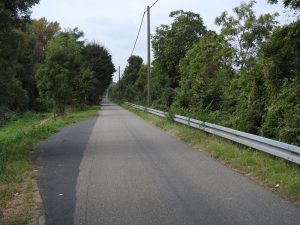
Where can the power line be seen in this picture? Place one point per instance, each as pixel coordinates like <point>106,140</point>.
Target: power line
<point>137,37</point>
<point>154,4</point>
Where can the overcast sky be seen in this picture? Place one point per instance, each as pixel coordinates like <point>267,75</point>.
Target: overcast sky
<point>114,23</point>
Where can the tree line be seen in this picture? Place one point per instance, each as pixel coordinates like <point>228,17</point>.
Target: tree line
<point>246,77</point>
<point>43,67</point>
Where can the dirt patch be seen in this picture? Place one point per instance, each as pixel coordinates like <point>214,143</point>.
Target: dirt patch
<point>14,210</point>
<point>42,122</point>
<point>25,206</point>
<point>15,206</point>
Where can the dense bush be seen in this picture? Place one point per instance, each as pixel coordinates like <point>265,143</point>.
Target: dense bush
<point>7,115</point>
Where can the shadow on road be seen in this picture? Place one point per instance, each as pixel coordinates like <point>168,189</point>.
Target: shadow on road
<point>58,160</point>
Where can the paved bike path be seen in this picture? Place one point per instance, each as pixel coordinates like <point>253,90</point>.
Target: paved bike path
<point>118,169</point>
<point>133,173</point>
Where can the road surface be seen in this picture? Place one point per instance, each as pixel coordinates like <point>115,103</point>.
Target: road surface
<point>120,170</point>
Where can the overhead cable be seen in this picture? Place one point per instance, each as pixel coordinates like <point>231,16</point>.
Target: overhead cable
<point>154,4</point>
<point>137,37</point>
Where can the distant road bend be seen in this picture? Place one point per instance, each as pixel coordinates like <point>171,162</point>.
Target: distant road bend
<point>118,169</point>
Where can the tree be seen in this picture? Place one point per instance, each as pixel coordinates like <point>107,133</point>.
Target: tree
<point>26,64</point>
<point>17,68</point>
<point>14,52</point>
<point>77,34</point>
<point>130,76</point>
<point>161,92</point>
<point>280,66</point>
<point>245,32</point>
<point>294,4</point>
<point>205,73</point>
<point>54,77</point>
<point>12,95</point>
<point>140,86</point>
<point>170,43</point>
<point>99,61</point>
<point>43,31</point>
<point>83,85</point>
<point>269,105</point>
<point>14,13</point>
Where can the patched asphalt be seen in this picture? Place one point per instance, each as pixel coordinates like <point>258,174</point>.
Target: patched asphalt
<point>58,160</point>
<point>131,173</point>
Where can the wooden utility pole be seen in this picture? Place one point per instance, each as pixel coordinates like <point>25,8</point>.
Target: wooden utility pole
<point>119,84</point>
<point>149,60</point>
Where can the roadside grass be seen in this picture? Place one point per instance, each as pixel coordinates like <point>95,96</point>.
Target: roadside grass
<point>18,188</point>
<point>277,174</point>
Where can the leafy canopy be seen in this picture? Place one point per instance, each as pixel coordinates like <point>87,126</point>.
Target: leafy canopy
<point>54,78</point>
<point>245,32</point>
<point>99,61</point>
<point>294,4</point>
<point>170,43</point>
<point>13,13</point>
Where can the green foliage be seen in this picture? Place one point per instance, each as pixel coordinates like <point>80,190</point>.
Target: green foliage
<point>280,63</point>
<point>170,43</point>
<point>129,77</point>
<point>282,120</point>
<point>99,61</point>
<point>54,78</point>
<point>13,13</point>
<point>281,57</point>
<point>161,92</point>
<point>6,115</point>
<point>73,74</point>
<point>83,86</point>
<point>268,100</point>
<point>294,4</point>
<point>26,65</point>
<point>246,77</point>
<point>140,85</point>
<point>43,32</point>
<point>245,32</point>
<point>205,74</point>
<point>24,45</point>
<point>21,50</point>
<point>12,94</point>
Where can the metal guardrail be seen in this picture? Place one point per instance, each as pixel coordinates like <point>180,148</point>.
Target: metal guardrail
<point>276,148</point>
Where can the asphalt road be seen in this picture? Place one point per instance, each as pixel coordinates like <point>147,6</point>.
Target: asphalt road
<point>58,160</point>
<point>133,173</point>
